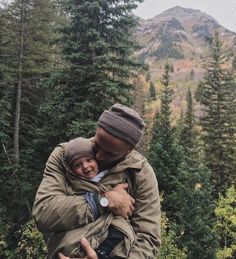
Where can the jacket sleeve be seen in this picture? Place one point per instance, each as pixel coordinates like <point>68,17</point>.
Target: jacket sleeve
<point>53,209</point>
<point>147,215</point>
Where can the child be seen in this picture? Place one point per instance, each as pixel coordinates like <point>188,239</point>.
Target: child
<point>80,157</point>
<point>82,167</point>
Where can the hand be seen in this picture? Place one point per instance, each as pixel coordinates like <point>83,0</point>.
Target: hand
<point>91,254</point>
<point>120,202</point>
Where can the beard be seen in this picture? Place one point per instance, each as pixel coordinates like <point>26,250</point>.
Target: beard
<point>104,165</point>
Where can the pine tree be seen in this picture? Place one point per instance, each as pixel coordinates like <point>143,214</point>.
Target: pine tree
<point>96,48</point>
<point>195,211</point>
<point>4,103</point>
<point>164,154</point>
<point>152,91</point>
<point>191,75</point>
<point>194,224</point>
<point>25,49</point>
<point>27,31</point>
<point>234,63</point>
<point>217,95</point>
<point>5,94</point>
<point>188,129</point>
<point>148,74</point>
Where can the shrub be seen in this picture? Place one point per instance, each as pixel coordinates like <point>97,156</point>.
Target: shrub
<point>31,244</point>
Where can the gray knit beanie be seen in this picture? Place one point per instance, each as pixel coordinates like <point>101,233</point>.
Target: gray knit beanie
<point>77,148</point>
<point>122,122</point>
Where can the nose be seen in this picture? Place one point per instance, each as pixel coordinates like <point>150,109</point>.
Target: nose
<point>100,155</point>
<point>85,165</point>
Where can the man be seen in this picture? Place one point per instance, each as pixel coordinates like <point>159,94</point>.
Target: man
<point>119,130</point>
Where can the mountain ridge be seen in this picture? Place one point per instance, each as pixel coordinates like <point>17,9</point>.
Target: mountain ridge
<point>179,34</point>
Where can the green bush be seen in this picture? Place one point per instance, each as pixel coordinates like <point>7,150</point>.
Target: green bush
<point>169,249</point>
<point>5,228</point>
<point>31,244</point>
<point>226,224</point>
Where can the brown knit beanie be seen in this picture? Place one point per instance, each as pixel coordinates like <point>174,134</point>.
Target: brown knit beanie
<point>122,122</point>
<point>77,148</point>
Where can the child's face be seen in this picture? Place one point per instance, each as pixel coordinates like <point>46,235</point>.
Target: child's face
<point>86,167</point>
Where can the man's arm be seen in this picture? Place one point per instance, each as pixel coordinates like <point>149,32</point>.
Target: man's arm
<point>146,216</point>
<point>53,209</point>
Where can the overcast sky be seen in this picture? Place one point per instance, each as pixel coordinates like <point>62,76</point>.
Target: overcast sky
<point>224,11</point>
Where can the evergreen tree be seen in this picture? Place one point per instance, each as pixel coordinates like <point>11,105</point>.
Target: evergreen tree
<point>25,62</point>
<point>152,91</point>
<point>194,224</point>
<point>191,75</point>
<point>187,132</point>
<point>148,74</point>
<point>195,206</point>
<point>36,18</point>
<point>234,63</point>
<point>217,95</point>
<point>96,48</point>
<point>164,154</point>
<point>5,94</point>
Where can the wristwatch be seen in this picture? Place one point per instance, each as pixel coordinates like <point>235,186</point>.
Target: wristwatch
<point>104,202</point>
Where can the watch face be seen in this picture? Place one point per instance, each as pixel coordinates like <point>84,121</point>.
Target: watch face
<point>104,202</point>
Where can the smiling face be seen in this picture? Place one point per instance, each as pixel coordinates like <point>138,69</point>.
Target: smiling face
<point>86,167</point>
<point>109,149</point>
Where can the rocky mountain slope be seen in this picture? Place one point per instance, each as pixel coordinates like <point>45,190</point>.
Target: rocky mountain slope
<point>181,36</point>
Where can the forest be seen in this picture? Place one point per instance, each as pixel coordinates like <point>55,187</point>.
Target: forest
<point>62,63</point>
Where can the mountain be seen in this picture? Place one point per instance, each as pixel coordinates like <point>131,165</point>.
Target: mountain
<point>181,36</point>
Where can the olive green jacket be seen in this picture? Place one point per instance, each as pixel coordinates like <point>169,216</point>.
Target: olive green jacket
<point>59,208</point>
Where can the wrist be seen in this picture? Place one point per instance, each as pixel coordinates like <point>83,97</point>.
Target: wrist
<point>109,197</point>
<point>104,200</point>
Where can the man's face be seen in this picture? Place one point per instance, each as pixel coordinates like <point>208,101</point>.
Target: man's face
<point>109,149</point>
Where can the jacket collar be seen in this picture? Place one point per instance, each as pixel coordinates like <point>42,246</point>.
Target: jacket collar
<point>134,160</point>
